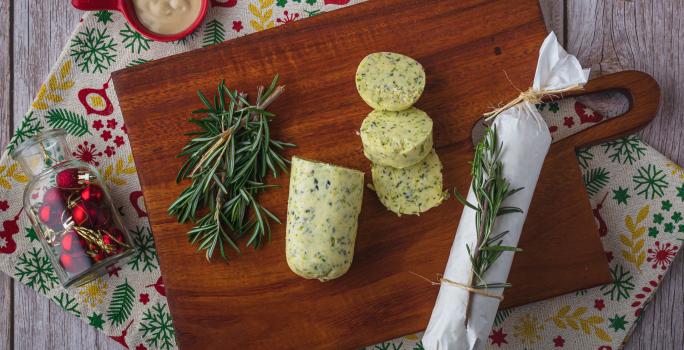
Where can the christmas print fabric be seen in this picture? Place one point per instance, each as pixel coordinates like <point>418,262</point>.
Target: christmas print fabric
<point>637,193</point>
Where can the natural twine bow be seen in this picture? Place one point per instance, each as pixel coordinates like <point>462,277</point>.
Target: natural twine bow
<point>443,280</point>
<point>533,96</point>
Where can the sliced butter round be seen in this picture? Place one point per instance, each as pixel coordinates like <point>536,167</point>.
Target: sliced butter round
<point>390,81</point>
<point>397,139</point>
<point>412,190</point>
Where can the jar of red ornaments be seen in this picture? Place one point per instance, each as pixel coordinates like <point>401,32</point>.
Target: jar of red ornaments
<point>71,210</point>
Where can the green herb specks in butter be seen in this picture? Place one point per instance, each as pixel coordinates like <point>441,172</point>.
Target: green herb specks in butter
<point>411,190</point>
<point>397,139</point>
<point>390,81</point>
<point>322,217</point>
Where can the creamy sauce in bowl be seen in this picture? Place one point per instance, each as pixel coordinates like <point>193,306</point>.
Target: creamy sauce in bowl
<point>167,16</point>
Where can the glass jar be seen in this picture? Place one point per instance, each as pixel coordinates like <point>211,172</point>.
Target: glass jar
<point>71,210</point>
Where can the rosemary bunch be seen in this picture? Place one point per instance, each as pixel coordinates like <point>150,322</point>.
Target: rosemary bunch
<point>490,189</point>
<point>227,161</point>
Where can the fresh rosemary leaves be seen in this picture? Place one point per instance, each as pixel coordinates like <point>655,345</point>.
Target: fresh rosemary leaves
<point>227,162</point>
<point>490,189</point>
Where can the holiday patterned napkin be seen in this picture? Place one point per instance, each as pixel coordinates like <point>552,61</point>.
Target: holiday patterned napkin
<point>638,196</point>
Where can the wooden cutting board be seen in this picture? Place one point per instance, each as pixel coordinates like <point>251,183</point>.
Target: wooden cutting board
<point>254,301</point>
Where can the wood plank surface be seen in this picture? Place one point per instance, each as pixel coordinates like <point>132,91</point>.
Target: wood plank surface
<point>164,93</point>
<point>666,312</point>
<point>6,283</point>
<point>612,35</point>
<point>39,32</point>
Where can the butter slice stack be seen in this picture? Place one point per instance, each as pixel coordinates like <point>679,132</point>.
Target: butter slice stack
<point>396,137</point>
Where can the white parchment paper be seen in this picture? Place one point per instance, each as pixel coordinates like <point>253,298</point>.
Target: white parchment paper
<point>526,140</point>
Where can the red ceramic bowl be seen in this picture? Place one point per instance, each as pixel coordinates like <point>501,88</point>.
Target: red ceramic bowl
<point>128,10</point>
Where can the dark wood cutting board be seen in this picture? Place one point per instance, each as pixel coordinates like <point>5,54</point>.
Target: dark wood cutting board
<point>254,301</point>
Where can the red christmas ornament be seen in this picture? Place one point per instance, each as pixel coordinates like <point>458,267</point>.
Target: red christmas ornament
<point>99,257</point>
<point>67,178</point>
<point>99,217</point>
<point>80,214</point>
<point>92,193</point>
<point>117,234</point>
<point>108,240</point>
<point>50,215</point>
<point>52,196</point>
<point>67,261</point>
<point>103,218</point>
<point>74,264</point>
<point>68,241</point>
<point>45,213</point>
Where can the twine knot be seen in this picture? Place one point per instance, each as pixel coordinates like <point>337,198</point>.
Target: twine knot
<point>471,289</point>
<point>534,97</point>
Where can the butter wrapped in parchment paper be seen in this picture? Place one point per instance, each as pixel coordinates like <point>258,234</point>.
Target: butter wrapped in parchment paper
<point>525,141</point>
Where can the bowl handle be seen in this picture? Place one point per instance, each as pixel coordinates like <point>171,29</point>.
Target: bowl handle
<point>94,5</point>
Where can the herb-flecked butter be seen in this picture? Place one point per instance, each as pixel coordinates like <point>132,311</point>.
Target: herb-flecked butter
<point>397,139</point>
<point>390,81</point>
<point>411,190</point>
<point>322,217</point>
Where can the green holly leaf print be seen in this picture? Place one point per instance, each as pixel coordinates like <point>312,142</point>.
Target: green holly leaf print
<point>681,229</point>
<point>96,320</point>
<point>35,270</point>
<point>104,17</point>
<point>676,217</point>
<point>68,303</point>
<point>667,205</point>
<point>145,256</point>
<point>595,180</point>
<point>137,61</point>
<point>624,150</point>
<point>553,107</point>
<point>157,327</point>
<point>669,227</point>
<point>71,122</point>
<point>650,182</point>
<point>653,232</point>
<point>583,157</point>
<point>680,192</point>
<point>501,316</point>
<point>133,40</point>
<point>540,106</point>
<point>313,13</point>
<point>31,234</point>
<point>388,346</point>
<point>617,323</point>
<point>121,305</point>
<point>658,218</point>
<point>281,3</point>
<point>620,195</point>
<point>93,50</point>
<point>214,33</point>
<point>622,284</point>
<point>30,126</point>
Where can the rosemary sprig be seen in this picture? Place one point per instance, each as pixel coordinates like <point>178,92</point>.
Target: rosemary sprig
<point>227,161</point>
<point>490,189</point>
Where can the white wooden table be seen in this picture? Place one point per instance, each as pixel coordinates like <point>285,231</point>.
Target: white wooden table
<point>607,35</point>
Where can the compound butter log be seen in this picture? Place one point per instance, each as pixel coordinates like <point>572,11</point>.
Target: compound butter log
<point>322,217</point>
